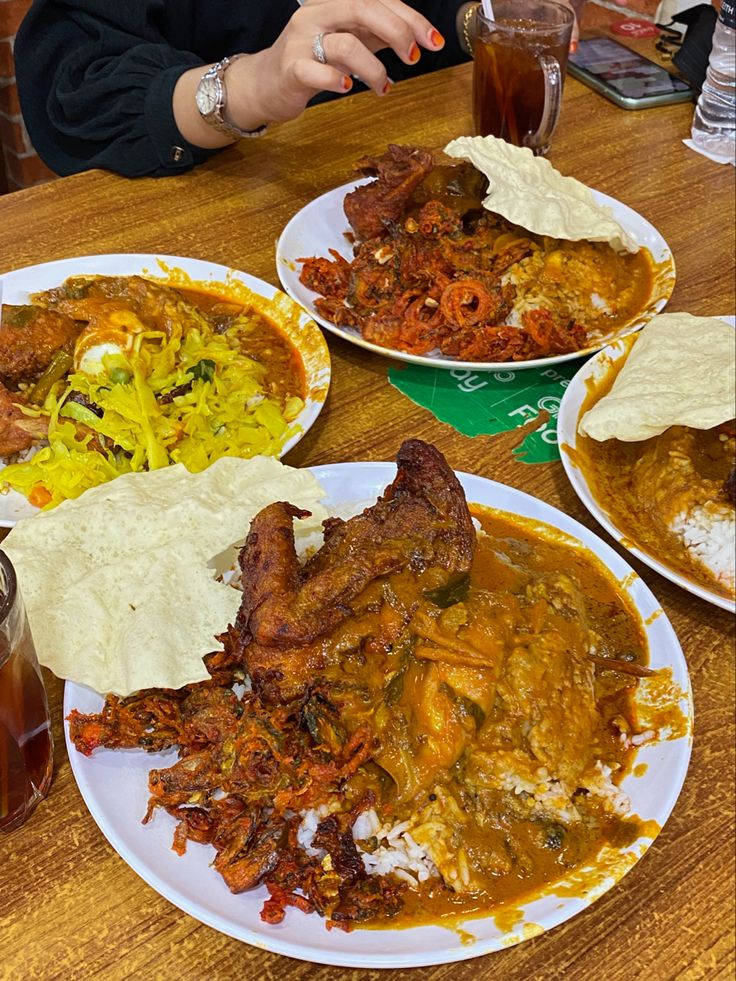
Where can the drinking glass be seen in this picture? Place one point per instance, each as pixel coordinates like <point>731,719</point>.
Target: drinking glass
<point>519,70</point>
<point>26,747</point>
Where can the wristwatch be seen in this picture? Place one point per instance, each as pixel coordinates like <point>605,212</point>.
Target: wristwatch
<point>211,99</point>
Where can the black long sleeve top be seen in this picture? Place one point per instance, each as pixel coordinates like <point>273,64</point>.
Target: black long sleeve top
<point>96,77</point>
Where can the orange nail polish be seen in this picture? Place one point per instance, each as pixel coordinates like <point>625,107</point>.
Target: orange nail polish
<point>346,82</point>
<point>414,53</point>
<point>573,47</point>
<point>436,39</point>
<point>386,88</point>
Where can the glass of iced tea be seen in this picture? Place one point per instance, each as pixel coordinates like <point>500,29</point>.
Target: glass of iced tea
<point>519,69</point>
<point>26,747</point>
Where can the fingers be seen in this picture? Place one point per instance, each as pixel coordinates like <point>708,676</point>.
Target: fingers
<point>350,56</point>
<point>425,33</point>
<point>392,22</point>
<point>311,75</point>
<point>351,30</point>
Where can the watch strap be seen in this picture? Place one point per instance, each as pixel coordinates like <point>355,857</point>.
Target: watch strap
<point>217,118</point>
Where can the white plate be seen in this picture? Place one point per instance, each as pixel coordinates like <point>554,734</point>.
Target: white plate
<point>321,225</point>
<point>567,435</point>
<point>114,787</point>
<point>300,329</point>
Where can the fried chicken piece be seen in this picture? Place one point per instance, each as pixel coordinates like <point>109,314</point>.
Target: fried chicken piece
<point>18,431</point>
<point>30,336</point>
<point>421,520</point>
<point>370,208</point>
<point>550,336</point>
<point>486,344</point>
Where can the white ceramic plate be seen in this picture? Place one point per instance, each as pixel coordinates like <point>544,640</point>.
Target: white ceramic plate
<point>298,327</point>
<point>594,371</point>
<point>114,787</point>
<point>321,225</point>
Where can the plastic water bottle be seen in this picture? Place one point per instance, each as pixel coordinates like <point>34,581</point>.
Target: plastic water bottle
<point>714,123</point>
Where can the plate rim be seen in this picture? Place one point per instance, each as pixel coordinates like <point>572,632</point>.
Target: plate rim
<point>454,951</point>
<point>567,422</point>
<point>284,263</point>
<point>313,406</point>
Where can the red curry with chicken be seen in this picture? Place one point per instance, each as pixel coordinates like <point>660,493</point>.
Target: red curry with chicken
<point>433,272</point>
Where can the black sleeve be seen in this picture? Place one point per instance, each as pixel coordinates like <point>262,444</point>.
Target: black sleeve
<point>96,84</point>
<point>443,14</point>
<point>96,78</point>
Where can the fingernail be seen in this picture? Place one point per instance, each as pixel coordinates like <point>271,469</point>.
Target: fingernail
<point>573,47</point>
<point>414,53</point>
<point>346,82</point>
<point>387,87</point>
<point>436,39</point>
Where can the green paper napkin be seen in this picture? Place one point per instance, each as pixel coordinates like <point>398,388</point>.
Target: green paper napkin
<point>488,402</point>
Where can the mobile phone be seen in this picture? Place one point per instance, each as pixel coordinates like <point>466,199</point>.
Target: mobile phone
<point>624,76</point>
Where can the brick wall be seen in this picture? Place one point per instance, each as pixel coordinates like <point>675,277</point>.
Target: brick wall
<point>20,166</point>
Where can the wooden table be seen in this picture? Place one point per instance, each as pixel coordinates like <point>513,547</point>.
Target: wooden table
<point>69,906</point>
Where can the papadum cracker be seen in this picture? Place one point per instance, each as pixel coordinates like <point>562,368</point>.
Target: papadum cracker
<point>120,584</point>
<point>529,192</point>
<point>681,371</point>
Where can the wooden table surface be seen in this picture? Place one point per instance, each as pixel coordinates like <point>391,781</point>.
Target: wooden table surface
<point>69,906</point>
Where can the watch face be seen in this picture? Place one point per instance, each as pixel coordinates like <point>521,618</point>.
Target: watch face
<point>208,95</point>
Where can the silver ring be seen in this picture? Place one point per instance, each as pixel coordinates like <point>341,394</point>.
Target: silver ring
<point>318,49</point>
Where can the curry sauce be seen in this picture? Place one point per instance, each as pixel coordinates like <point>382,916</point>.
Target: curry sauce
<point>437,717</point>
<point>489,753</point>
<point>646,486</point>
<point>259,339</point>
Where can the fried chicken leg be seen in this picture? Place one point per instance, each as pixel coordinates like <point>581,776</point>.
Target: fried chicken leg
<point>421,520</point>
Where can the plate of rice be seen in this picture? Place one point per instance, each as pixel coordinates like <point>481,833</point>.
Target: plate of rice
<point>413,847</point>
<point>113,364</point>
<point>657,469</point>
<point>583,285</point>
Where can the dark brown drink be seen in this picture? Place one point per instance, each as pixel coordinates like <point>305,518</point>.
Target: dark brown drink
<point>26,748</point>
<point>519,69</point>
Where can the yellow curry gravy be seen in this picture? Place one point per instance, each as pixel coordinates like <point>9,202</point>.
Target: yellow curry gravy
<point>623,283</point>
<point>452,721</point>
<point>562,274</point>
<point>644,485</point>
<point>259,339</point>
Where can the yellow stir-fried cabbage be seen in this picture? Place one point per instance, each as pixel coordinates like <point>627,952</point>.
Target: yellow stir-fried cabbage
<point>187,399</point>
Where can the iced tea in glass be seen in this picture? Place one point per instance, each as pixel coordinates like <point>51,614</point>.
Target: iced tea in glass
<point>26,747</point>
<point>519,69</point>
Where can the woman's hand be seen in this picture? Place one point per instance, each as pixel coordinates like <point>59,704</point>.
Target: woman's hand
<point>351,32</point>
<point>276,84</point>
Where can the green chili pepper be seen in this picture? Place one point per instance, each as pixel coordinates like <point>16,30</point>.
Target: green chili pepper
<point>60,364</point>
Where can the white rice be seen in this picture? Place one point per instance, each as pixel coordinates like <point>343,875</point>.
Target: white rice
<point>394,851</point>
<point>601,785</point>
<point>708,532</point>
